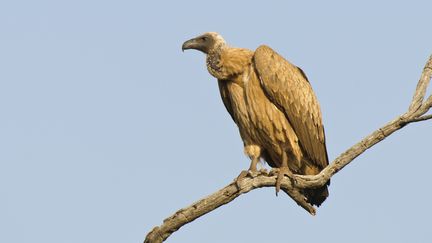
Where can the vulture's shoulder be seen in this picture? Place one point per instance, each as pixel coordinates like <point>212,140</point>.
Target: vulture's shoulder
<point>235,60</point>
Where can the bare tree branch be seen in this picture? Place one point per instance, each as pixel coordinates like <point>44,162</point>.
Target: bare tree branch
<point>294,186</point>
<point>421,86</point>
<point>215,200</point>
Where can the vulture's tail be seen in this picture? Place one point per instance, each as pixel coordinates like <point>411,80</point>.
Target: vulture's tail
<point>314,196</point>
<point>317,196</point>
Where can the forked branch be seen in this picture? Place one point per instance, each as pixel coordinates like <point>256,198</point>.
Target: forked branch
<point>293,186</point>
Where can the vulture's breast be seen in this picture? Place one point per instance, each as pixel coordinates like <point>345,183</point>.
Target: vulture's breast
<point>239,109</point>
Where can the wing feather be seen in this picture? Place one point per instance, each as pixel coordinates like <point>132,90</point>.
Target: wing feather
<point>225,98</point>
<point>289,89</point>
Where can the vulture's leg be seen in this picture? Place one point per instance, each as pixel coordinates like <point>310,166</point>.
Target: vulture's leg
<point>252,169</point>
<point>254,152</point>
<point>283,171</point>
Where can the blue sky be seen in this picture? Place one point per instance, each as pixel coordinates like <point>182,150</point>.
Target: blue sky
<point>107,127</point>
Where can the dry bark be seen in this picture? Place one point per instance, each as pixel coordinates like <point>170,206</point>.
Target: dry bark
<point>293,186</point>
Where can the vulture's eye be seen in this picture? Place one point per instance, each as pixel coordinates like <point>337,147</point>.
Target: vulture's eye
<point>204,38</point>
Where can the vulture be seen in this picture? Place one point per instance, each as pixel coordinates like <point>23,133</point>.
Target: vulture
<point>274,107</point>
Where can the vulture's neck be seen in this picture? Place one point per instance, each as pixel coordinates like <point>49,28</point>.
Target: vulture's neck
<point>215,63</point>
<point>227,63</point>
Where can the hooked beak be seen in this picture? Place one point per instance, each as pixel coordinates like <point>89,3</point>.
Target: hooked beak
<point>190,44</point>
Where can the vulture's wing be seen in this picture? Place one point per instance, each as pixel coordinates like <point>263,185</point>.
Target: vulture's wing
<point>225,98</point>
<point>288,88</point>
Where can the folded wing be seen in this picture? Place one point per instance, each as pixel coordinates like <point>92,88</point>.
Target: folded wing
<point>288,88</point>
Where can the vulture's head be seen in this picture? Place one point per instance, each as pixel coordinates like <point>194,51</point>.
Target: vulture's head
<point>205,42</point>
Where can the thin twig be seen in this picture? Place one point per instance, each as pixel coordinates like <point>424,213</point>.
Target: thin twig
<point>421,86</point>
<point>422,118</point>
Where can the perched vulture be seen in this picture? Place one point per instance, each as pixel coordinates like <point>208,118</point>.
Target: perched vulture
<point>273,105</point>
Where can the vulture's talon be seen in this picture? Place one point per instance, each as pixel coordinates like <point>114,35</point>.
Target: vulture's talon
<point>253,173</point>
<point>240,177</point>
<point>283,171</point>
<point>243,174</point>
<point>273,171</point>
<point>263,171</point>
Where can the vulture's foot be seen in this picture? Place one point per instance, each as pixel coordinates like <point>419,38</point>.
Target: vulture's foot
<point>243,174</point>
<point>281,172</point>
<point>251,172</point>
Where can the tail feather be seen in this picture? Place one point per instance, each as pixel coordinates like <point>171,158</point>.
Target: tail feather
<point>316,196</point>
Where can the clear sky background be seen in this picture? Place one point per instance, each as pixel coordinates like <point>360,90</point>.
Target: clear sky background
<point>107,128</point>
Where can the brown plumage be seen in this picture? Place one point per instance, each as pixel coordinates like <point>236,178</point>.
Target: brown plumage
<point>273,105</point>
